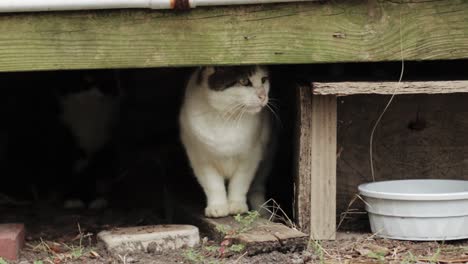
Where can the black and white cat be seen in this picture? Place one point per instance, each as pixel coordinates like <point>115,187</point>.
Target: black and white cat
<point>90,113</point>
<point>227,133</point>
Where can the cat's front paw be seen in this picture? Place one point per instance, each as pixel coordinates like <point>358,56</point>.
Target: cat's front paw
<point>237,207</point>
<point>217,210</point>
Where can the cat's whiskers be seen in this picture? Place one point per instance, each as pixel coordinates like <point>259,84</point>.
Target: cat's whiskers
<point>232,112</point>
<point>242,112</point>
<point>273,104</point>
<point>225,114</point>
<point>269,106</point>
<point>236,115</point>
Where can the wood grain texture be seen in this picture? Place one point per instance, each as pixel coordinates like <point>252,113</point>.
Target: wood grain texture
<point>323,167</point>
<point>350,88</point>
<point>303,158</point>
<point>337,31</point>
<point>315,184</point>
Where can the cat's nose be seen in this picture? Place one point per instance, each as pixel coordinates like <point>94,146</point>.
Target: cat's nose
<point>261,93</point>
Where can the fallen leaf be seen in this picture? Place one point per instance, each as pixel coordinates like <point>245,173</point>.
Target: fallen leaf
<point>221,251</point>
<point>372,249</point>
<point>57,248</point>
<point>225,242</point>
<point>94,254</point>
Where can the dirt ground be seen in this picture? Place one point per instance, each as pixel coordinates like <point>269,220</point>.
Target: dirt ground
<point>70,237</point>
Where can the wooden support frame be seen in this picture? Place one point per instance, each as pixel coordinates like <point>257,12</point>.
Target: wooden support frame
<point>315,189</point>
<point>315,185</point>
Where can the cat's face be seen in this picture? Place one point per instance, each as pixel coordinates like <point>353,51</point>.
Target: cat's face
<point>236,88</point>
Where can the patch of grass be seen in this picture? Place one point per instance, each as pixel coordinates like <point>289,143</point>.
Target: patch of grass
<point>246,221</point>
<point>435,258</point>
<point>223,229</point>
<point>77,252</point>
<point>38,262</point>
<point>245,224</point>
<point>194,256</point>
<point>197,256</point>
<point>379,256</point>
<point>212,254</point>
<point>213,248</point>
<point>237,248</point>
<point>409,258</point>
<point>318,250</point>
<point>2,261</point>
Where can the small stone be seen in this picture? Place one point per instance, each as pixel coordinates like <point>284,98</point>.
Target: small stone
<point>150,239</point>
<point>131,260</point>
<point>296,259</point>
<point>11,240</point>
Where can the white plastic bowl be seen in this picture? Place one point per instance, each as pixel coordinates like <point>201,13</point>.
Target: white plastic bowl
<point>418,209</point>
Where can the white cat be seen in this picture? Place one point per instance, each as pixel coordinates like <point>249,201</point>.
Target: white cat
<point>226,131</point>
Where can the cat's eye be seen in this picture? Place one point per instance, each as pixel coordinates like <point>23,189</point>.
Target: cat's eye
<point>245,82</point>
<point>264,79</point>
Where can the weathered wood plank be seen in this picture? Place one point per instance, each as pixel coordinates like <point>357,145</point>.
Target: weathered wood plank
<point>338,31</point>
<point>315,184</point>
<point>260,236</point>
<point>303,158</point>
<point>349,88</point>
<point>257,234</point>
<point>323,167</point>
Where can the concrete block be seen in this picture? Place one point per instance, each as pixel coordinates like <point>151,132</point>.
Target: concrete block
<point>155,238</point>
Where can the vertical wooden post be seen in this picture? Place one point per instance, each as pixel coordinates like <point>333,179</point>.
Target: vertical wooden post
<point>323,168</point>
<point>303,158</point>
<point>316,164</point>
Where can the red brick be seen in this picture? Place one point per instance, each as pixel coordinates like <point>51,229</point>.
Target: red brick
<point>11,240</point>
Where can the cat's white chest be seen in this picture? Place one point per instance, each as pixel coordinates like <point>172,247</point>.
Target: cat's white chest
<point>89,116</point>
<point>227,139</point>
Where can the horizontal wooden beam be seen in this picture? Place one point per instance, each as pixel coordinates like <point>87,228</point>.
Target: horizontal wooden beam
<point>336,31</point>
<point>350,88</point>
